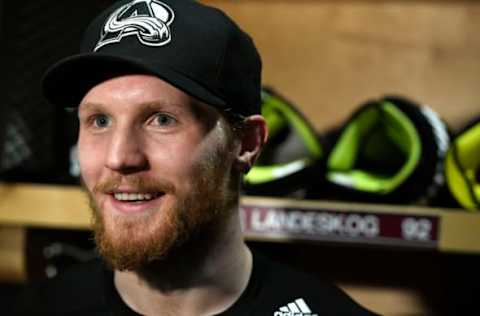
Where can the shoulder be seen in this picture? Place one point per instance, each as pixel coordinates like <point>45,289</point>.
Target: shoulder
<point>77,291</point>
<point>293,292</point>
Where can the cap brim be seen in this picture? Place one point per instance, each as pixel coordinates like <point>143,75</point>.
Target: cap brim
<point>66,83</point>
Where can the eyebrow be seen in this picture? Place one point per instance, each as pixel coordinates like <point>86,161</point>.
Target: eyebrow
<point>89,105</point>
<point>154,105</point>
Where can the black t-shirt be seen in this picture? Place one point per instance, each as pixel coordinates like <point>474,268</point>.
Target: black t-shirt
<point>273,290</point>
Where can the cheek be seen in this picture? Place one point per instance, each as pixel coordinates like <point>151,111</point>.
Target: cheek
<point>173,157</point>
<point>174,162</point>
<point>90,160</point>
<point>208,162</point>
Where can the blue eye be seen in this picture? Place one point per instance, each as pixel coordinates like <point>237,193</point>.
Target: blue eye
<point>162,119</point>
<point>101,121</point>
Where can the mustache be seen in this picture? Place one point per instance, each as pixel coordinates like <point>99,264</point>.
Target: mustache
<point>139,183</point>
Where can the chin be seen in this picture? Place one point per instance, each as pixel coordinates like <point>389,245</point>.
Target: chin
<point>131,242</point>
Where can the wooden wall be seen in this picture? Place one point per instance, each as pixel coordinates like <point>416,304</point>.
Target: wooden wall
<point>330,56</point>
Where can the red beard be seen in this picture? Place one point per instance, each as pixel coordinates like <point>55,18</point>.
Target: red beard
<point>132,243</point>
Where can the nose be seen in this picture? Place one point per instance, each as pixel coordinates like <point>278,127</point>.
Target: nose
<point>126,154</point>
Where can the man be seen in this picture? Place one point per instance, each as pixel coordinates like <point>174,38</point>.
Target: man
<point>168,97</point>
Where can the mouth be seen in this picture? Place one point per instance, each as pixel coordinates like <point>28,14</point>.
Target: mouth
<point>135,196</point>
<point>135,202</point>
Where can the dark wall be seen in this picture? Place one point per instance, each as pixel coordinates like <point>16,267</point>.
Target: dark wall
<point>37,137</point>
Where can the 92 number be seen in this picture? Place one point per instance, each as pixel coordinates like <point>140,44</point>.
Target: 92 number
<point>416,229</point>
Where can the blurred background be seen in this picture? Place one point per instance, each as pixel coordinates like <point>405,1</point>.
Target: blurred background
<point>327,58</point>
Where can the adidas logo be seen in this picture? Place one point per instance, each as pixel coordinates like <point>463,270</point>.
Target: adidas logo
<point>296,308</point>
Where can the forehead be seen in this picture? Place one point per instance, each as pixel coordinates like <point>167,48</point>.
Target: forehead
<point>138,93</point>
<point>135,89</point>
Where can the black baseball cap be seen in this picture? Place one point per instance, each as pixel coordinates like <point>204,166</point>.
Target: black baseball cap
<point>194,47</point>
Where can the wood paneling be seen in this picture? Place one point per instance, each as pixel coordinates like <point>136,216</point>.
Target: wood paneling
<point>39,205</point>
<point>12,254</point>
<point>330,56</point>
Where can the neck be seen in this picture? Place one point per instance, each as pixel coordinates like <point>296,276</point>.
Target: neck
<point>203,277</point>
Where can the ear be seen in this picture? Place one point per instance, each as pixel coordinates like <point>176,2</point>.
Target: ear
<point>253,136</point>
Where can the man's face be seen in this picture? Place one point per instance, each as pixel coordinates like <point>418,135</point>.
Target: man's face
<point>156,164</point>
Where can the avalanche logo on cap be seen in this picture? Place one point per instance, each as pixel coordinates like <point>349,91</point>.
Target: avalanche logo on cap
<point>149,20</point>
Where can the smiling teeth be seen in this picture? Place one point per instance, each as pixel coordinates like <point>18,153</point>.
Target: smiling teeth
<point>135,196</point>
